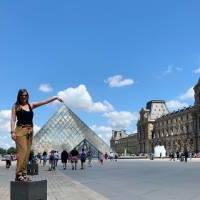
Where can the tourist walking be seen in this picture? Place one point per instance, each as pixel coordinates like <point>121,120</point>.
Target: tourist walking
<point>56,155</point>
<point>82,158</point>
<point>186,155</point>
<point>177,155</point>
<point>44,158</point>
<point>39,156</point>
<point>172,156</point>
<point>8,161</point>
<point>64,158</point>
<point>111,156</point>
<point>52,161</point>
<point>101,158</point>
<point>89,157</point>
<point>182,157</point>
<point>74,158</point>
<point>22,129</point>
<point>106,156</point>
<point>190,155</point>
<point>116,157</point>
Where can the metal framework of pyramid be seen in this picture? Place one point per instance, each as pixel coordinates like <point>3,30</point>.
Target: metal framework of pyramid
<point>65,130</point>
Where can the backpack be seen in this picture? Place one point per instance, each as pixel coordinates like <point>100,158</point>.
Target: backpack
<point>83,156</point>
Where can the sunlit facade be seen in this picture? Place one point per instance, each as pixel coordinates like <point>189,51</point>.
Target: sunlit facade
<point>65,130</point>
<point>177,131</point>
<point>124,144</point>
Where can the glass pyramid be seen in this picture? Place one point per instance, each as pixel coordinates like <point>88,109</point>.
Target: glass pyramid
<point>65,130</point>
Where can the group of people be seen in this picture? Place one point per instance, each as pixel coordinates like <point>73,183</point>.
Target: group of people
<point>73,157</point>
<point>182,156</point>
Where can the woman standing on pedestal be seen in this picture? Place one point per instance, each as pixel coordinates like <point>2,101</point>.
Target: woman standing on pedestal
<point>22,129</point>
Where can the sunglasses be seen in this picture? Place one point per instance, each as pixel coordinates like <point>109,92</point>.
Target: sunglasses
<point>23,95</point>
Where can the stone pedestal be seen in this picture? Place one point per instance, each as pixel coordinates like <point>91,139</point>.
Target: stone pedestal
<point>34,190</point>
<point>32,169</point>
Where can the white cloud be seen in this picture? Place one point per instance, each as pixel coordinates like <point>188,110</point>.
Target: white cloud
<point>181,101</point>
<point>118,81</point>
<point>104,132</point>
<point>5,137</point>
<point>122,119</point>
<point>197,71</point>
<point>175,105</point>
<point>80,99</point>
<point>45,88</point>
<point>170,70</point>
<point>6,141</point>
<point>189,94</point>
<point>5,116</point>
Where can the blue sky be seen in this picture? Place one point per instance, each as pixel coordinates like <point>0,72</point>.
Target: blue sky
<point>105,58</point>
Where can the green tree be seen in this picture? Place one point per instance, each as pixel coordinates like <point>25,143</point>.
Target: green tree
<point>2,151</point>
<point>11,150</point>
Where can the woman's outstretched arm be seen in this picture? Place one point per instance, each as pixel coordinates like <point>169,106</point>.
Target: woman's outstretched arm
<point>49,100</point>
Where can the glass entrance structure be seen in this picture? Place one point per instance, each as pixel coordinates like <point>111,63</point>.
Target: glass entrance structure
<point>65,130</point>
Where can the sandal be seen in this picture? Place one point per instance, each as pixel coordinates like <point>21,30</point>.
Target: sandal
<point>20,178</point>
<point>26,178</point>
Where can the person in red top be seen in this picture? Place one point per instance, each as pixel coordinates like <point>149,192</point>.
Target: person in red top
<point>74,155</point>
<point>22,129</point>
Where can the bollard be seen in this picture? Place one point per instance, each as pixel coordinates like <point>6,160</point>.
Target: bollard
<point>33,190</point>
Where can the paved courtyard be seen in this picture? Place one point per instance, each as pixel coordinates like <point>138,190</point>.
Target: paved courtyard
<point>59,187</point>
<point>143,179</point>
<point>121,180</point>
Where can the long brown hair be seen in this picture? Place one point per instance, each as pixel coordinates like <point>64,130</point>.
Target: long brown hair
<point>18,102</point>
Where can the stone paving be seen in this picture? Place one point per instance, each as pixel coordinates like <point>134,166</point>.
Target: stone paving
<point>122,180</point>
<point>60,187</point>
<point>143,179</point>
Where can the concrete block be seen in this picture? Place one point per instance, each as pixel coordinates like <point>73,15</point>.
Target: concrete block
<point>34,190</point>
<point>32,169</point>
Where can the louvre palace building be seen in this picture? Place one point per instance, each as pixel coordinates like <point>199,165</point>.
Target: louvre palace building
<point>123,143</point>
<point>176,131</point>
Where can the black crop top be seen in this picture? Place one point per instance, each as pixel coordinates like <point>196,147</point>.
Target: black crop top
<point>24,117</point>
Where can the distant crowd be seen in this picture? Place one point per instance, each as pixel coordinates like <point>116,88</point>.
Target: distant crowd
<point>73,157</point>
<point>182,156</point>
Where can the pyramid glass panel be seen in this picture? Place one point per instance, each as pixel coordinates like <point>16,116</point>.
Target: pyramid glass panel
<point>65,130</point>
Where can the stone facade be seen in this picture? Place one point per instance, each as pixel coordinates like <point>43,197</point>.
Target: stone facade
<point>145,126</point>
<point>177,131</point>
<point>122,143</point>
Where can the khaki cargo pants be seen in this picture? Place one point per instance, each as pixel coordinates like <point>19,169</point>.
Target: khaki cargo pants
<point>23,146</point>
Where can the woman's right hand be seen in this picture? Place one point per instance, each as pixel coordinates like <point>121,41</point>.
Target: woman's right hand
<point>13,136</point>
<point>59,99</point>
